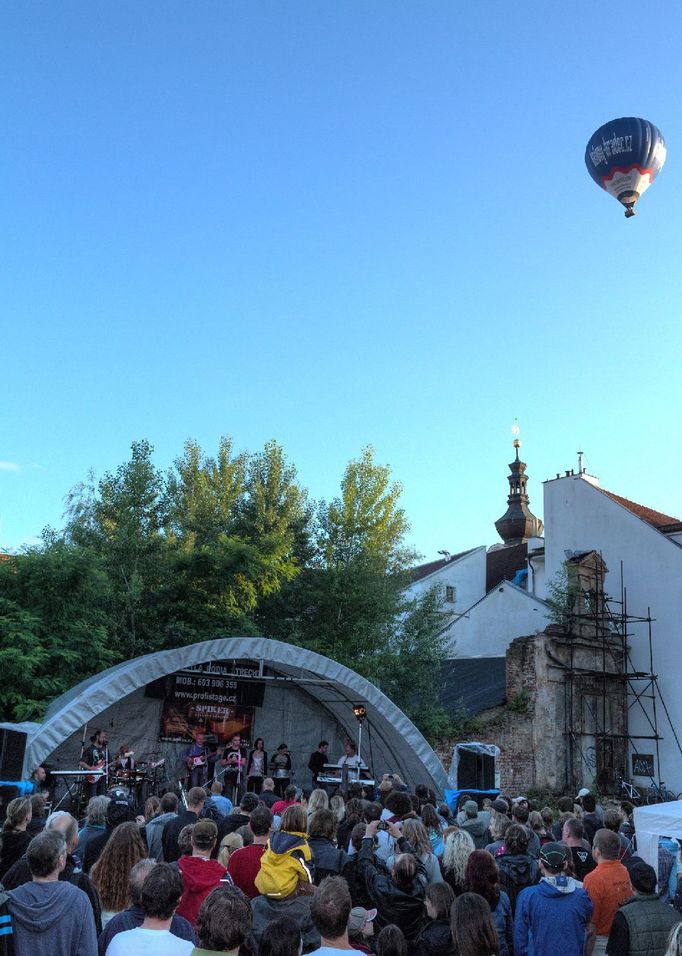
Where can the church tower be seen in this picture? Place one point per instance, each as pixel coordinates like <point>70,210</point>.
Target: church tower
<point>518,523</point>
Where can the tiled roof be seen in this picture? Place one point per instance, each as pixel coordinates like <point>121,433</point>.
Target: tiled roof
<point>423,570</point>
<point>655,518</point>
<point>503,563</point>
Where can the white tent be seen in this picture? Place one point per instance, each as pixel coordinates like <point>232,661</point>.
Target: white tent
<point>662,819</point>
<point>309,697</point>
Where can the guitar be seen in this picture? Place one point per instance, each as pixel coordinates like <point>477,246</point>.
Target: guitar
<point>194,762</point>
<point>92,778</point>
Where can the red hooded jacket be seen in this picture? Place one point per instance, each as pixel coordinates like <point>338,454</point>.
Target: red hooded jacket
<point>199,877</point>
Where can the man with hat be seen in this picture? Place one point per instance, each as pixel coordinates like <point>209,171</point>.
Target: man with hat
<point>643,923</point>
<point>473,825</point>
<point>553,916</point>
<point>200,874</point>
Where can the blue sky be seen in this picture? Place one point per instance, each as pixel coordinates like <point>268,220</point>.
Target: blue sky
<point>337,224</point>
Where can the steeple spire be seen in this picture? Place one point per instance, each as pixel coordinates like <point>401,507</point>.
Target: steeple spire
<point>518,523</point>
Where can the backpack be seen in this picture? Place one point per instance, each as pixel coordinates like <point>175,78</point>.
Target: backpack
<point>286,862</point>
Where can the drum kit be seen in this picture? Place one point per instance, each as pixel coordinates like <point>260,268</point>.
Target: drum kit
<point>142,781</point>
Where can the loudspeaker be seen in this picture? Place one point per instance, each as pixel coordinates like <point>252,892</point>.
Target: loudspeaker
<point>475,771</point>
<point>12,749</point>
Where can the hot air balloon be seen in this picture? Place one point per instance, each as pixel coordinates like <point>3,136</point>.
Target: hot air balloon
<point>624,157</point>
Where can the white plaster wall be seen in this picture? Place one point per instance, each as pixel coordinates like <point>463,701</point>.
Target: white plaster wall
<point>579,517</point>
<point>466,575</point>
<point>488,628</point>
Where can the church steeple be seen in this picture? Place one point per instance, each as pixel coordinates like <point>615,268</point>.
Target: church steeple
<point>518,523</point>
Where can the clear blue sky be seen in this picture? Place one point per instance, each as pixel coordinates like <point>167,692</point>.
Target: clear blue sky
<point>337,224</point>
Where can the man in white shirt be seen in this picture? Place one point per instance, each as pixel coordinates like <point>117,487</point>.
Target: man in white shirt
<point>161,892</point>
<point>330,910</point>
<point>351,758</point>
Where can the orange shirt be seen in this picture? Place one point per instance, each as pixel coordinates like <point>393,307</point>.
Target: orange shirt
<point>607,886</point>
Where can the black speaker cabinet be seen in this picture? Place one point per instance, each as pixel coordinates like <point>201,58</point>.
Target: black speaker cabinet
<point>12,749</point>
<point>475,771</point>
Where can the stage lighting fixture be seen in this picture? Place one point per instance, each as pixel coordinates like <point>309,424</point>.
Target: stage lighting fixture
<point>359,711</point>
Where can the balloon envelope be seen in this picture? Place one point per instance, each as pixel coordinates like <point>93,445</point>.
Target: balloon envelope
<point>624,157</point>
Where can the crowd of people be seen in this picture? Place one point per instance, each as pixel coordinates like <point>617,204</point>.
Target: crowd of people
<point>385,871</point>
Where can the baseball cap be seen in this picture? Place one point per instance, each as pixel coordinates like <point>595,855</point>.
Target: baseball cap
<point>500,805</point>
<point>204,834</point>
<point>583,792</point>
<point>519,799</point>
<point>554,855</point>
<point>357,919</point>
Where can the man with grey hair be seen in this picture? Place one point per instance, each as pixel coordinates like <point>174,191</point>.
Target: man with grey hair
<point>63,823</point>
<point>51,917</point>
<point>134,915</point>
<point>95,823</point>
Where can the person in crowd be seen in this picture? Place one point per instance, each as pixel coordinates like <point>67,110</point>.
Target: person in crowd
<point>483,877</point>
<point>152,809</point>
<point>458,848</point>
<point>185,841</point>
<point>415,833</point>
<point>318,759</point>
<point>118,811</point>
<point>244,864</point>
<point>473,824</point>
<point>200,874</point>
<point>330,909</point>
<point>224,922</point>
<point>552,916</point>
<point>281,937</point>
<point>612,821</point>
<point>581,861</point>
<point>590,818</point>
<point>435,939</point>
<point>50,917</point>
<point>228,845</point>
<point>337,805</point>
<point>520,814</point>
<point>38,815</point>
<point>434,829</point>
<point>287,800</point>
<point>354,814</point>
<point>60,822</point>
<point>111,872</point>
<point>548,822</point>
<point>471,924</point>
<point>498,831</point>
<point>217,799</point>
<point>94,825</point>
<point>239,817</point>
<point>361,928</point>
<point>627,827</point>
<point>14,839</point>
<point>352,873</point>
<point>399,895</point>
<point>318,800</point>
<point>168,808</point>
<point>159,897</point>
<point>286,878</point>
<point>134,915</point>
<point>397,809</point>
<point>256,766</point>
<point>517,868</point>
<point>564,806</point>
<point>608,886</point>
<point>675,943</point>
<point>329,860</point>
<point>537,825</point>
<point>280,769</point>
<point>643,923</point>
<point>391,942</point>
<point>267,794</point>
<point>196,798</point>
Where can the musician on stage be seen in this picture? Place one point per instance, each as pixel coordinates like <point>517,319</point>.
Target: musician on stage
<point>233,762</point>
<point>280,769</point>
<point>196,759</point>
<point>96,757</point>
<point>256,766</point>
<point>318,759</point>
<point>351,758</point>
<point>124,759</point>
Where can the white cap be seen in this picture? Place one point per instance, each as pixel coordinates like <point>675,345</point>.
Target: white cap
<point>583,792</point>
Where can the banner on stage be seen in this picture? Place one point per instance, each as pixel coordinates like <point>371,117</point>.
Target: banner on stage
<point>199,701</point>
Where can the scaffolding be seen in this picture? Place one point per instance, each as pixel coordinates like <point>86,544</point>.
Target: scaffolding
<point>602,686</point>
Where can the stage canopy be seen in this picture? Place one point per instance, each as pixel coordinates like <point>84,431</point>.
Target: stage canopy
<point>306,698</point>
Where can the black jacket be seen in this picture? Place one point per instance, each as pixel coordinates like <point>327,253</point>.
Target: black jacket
<point>517,871</point>
<point>329,861</point>
<point>171,832</point>
<point>405,908</point>
<point>435,940</point>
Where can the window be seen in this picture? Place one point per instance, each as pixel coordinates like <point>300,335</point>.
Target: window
<point>450,594</point>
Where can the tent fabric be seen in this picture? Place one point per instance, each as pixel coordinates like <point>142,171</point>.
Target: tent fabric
<point>395,742</point>
<point>661,819</point>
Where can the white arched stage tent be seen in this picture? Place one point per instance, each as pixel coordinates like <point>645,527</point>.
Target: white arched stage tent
<point>306,698</point>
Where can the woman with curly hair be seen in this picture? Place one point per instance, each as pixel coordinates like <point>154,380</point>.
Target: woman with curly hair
<point>458,848</point>
<point>111,872</point>
<point>472,927</point>
<point>483,877</point>
<point>14,839</point>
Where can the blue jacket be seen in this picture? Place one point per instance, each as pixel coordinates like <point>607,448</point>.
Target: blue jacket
<point>552,917</point>
<point>502,920</point>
